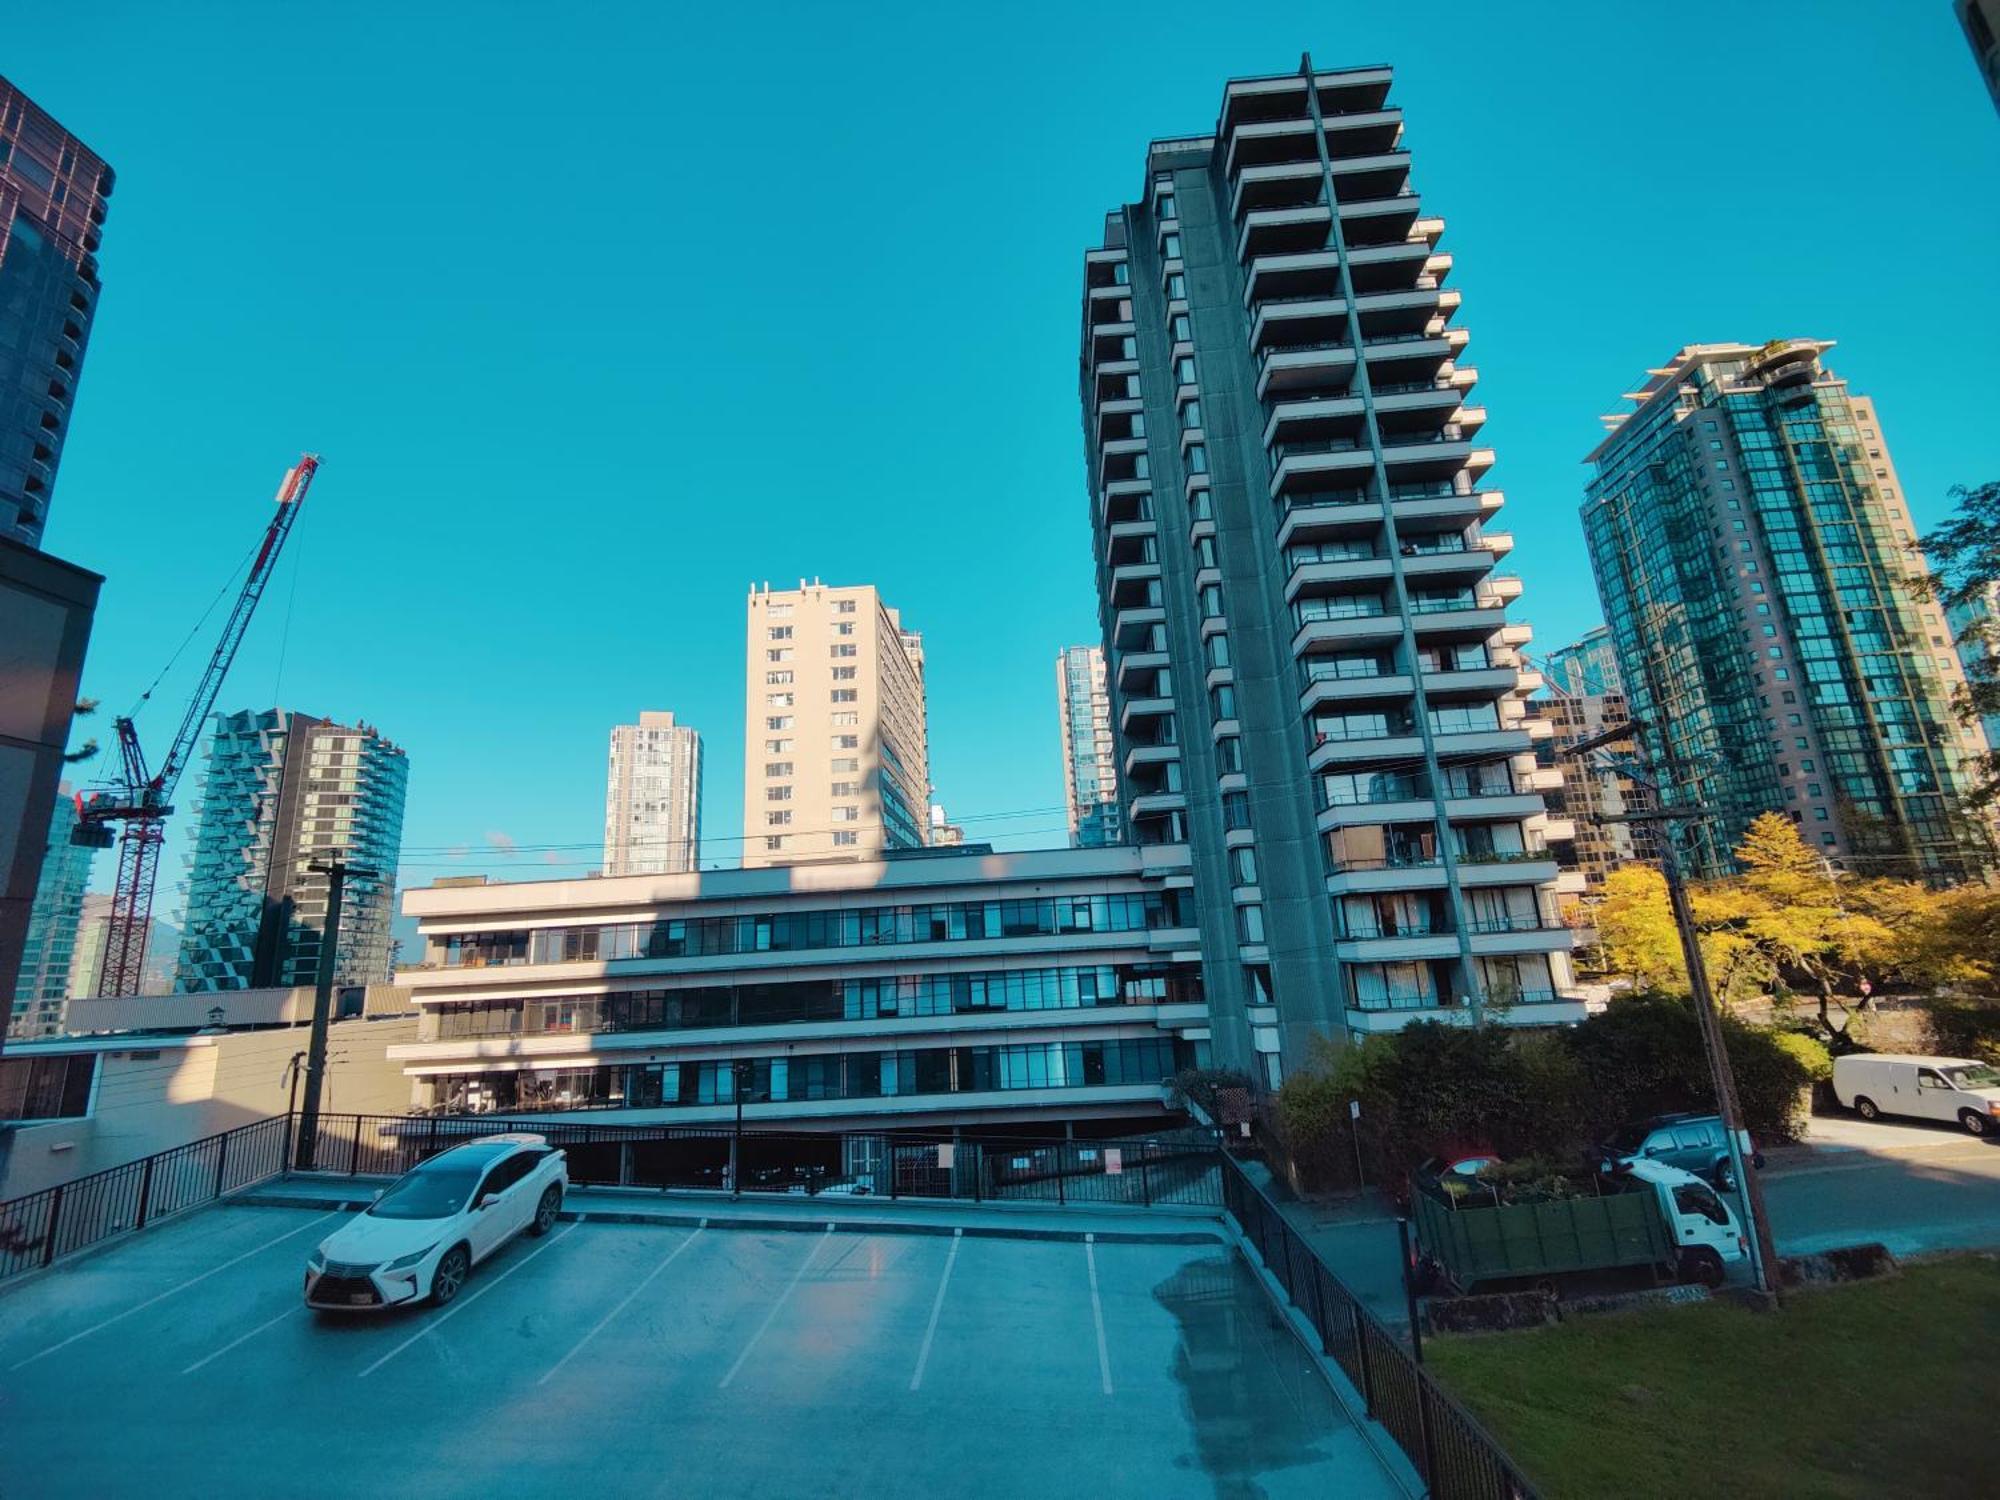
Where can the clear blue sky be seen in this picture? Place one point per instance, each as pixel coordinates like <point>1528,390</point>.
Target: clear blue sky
<point>598,312</point>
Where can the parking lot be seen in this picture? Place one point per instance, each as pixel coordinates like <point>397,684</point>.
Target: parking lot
<point>641,1359</point>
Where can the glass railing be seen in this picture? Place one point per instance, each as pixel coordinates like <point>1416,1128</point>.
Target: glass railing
<point>1307,501</point>
<point>1428,605</point>
<point>1312,611</point>
<point>1366,930</point>
<point>1326,669</point>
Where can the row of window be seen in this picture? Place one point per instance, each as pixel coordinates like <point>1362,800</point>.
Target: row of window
<point>791,931</point>
<point>840,1075</point>
<point>830,1000</point>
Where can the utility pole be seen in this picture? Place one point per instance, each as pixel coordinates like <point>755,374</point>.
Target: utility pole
<point>337,872</point>
<point>1763,1254</point>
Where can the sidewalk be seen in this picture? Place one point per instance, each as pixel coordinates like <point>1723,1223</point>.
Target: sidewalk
<point>1355,1235</point>
<point>787,1211</point>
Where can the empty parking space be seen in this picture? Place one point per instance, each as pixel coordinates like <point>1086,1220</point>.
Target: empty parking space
<point>659,1360</point>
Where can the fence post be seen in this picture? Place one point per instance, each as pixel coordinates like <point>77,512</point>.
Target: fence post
<point>145,1192</point>
<point>1146,1180</point>
<point>1361,1351</point>
<point>1061,1196</point>
<point>55,1224</point>
<point>354,1152</point>
<point>890,1157</point>
<point>1427,1441</point>
<point>221,1162</point>
<point>978,1166</point>
<point>285,1146</point>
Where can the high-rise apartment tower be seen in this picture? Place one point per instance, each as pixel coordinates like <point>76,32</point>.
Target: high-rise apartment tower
<point>1089,750</point>
<point>836,757</point>
<point>282,792</point>
<point>1750,539</point>
<point>1312,674</point>
<point>54,922</point>
<point>52,192</point>
<point>652,798</point>
<point>1587,666</point>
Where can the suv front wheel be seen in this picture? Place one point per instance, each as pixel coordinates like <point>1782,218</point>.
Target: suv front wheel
<point>546,1211</point>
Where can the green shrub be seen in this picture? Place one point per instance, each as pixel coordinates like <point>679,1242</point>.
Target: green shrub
<point>1965,1026</point>
<point>1811,1054</point>
<point>1202,1085</point>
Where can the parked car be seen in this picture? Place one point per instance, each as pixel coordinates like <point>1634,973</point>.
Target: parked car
<point>1922,1088</point>
<point>1694,1143</point>
<point>422,1237</point>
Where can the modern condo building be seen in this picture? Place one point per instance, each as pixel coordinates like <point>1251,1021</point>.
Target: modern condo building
<point>652,798</point>
<point>1089,750</point>
<point>284,791</point>
<point>1750,539</point>
<point>52,199</point>
<point>836,753</point>
<point>55,924</point>
<point>1311,671</point>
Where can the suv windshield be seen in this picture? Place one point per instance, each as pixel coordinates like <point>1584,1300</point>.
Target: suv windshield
<point>427,1193</point>
<point>1976,1076</point>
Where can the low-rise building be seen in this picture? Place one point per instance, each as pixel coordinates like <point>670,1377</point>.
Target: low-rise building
<point>141,1074</point>
<point>1018,992</point>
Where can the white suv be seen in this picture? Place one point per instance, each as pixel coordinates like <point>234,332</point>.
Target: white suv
<point>422,1237</point>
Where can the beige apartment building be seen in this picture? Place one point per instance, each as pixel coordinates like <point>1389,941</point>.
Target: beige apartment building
<point>836,756</point>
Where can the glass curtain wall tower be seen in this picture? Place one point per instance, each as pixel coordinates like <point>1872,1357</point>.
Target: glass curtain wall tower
<point>52,204</point>
<point>1750,537</point>
<point>1090,755</point>
<point>1313,678</point>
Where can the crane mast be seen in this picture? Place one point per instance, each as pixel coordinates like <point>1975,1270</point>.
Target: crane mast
<point>141,800</point>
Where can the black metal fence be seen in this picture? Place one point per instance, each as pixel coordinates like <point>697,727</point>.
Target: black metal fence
<point>1456,1457</point>
<point>1171,1168</point>
<point>40,1228</point>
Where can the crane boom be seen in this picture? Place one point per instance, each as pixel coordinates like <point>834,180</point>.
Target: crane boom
<point>141,800</point>
<point>291,495</point>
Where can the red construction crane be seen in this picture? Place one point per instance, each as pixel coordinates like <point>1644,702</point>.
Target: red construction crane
<point>141,800</point>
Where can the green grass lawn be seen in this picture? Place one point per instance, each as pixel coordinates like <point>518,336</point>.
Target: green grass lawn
<point>1872,1389</point>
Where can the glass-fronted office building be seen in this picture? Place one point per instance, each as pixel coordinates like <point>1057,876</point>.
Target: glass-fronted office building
<point>1751,540</point>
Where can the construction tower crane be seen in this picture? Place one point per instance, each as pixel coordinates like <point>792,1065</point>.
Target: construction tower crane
<point>141,799</point>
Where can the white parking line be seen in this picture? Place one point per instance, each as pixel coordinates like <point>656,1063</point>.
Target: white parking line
<point>245,1337</point>
<point>1097,1313</point>
<point>172,1290</point>
<point>623,1303</point>
<point>937,1306</point>
<point>431,1325</point>
<point>776,1307</point>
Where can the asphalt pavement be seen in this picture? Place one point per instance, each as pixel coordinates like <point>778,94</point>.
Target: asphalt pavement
<point>657,1359</point>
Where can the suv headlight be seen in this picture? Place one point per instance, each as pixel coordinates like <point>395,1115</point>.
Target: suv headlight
<point>404,1262</point>
<point>316,1262</point>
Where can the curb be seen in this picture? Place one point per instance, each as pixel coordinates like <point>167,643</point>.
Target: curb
<point>680,1219</point>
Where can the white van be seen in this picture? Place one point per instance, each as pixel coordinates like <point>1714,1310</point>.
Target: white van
<point>1924,1088</point>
